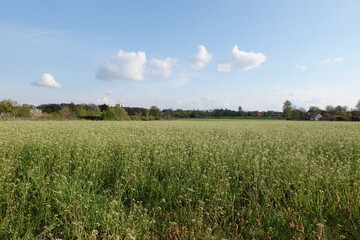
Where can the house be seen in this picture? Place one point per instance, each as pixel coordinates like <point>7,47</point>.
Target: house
<point>337,118</point>
<point>260,114</point>
<point>315,116</point>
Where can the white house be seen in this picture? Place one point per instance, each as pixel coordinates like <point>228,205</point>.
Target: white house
<point>315,116</point>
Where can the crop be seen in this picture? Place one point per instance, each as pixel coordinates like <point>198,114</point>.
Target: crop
<point>229,179</point>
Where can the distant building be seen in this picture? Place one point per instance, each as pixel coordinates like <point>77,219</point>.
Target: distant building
<point>119,105</point>
<point>260,114</point>
<point>315,116</point>
<point>337,118</point>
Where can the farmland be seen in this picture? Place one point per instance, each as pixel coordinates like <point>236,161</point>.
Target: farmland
<point>211,179</point>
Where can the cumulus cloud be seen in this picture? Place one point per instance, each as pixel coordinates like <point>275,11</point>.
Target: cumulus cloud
<point>125,66</point>
<point>162,67</point>
<point>300,67</point>
<point>203,57</point>
<point>47,80</point>
<point>332,60</point>
<point>242,60</point>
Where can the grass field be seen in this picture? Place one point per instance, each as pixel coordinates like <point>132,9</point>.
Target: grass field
<point>211,179</point>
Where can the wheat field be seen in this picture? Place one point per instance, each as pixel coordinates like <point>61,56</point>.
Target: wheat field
<point>210,179</point>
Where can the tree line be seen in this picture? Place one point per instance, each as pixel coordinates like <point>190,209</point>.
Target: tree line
<point>11,109</point>
<point>330,112</point>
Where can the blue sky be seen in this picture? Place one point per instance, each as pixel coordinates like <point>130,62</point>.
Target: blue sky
<point>181,54</point>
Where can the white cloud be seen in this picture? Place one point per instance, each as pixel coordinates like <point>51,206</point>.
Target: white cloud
<point>162,67</point>
<point>242,60</point>
<point>203,57</point>
<point>109,93</point>
<point>332,60</point>
<point>125,66</point>
<point>47,80</point>
<point>224,67</point>
<point>300,67</point>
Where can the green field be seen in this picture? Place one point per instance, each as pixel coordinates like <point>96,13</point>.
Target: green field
<point>210,179</point>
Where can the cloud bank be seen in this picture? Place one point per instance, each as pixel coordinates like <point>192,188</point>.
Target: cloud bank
<point>47,80</point>
<point>242,60</point>
<point>202,58</point>
<point>125,66</point>
<point>132,66</point>
<point>162,67</point>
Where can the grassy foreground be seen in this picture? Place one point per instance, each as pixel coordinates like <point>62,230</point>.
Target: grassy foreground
<point>226,179</point>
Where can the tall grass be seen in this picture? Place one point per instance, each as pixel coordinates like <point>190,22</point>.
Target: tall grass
<point>179,180</point>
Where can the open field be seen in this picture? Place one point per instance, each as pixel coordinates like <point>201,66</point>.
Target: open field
<point>214,179</point>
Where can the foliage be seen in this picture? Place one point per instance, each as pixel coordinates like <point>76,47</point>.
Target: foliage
<point>115,114</point>
<point>155,113</point>
<point>179,180</point>
<point>8,106</point>
<point>287,109</point>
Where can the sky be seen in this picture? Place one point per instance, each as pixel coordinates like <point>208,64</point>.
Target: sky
<point>181,54</point>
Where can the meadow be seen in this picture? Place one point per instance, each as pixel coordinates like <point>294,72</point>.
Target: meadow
<point>209,179</point>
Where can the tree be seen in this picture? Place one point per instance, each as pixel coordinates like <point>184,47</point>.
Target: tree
<point>240,111</point>
<point>7,107</point>
<point>287,109</point>
<point>155,112</point>
<point>357,106</point>
<point>23,111</point>
<point>103,107</point>
<point>115,114</point>
<point>120,113</point>
<point>35,112</point>
<point>66,113</point>
<point>314,109</point>
<point>330,109</point>
<point>340,109</point>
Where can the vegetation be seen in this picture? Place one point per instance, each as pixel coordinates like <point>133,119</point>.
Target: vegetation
<point>11,109</point>
<point>209,179</point>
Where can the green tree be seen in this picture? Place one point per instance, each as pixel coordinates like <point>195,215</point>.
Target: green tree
<point>115,114</point>
<point>7,107</point>
<point>155,113</point>
<point>23,111</point>
<point>287,109</point>
<point>241,111</point>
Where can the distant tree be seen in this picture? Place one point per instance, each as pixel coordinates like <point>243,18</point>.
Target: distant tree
<point>120,113</point>
<point>287,109</point>
<point>23,111</point>
<point>103,107</point>
<point>35,112</point>
<point>340,109</point>
<point>330,109</point>
<point>108,115</point>
<point>66,113</point>
<point>314,109</point>
<point>50,108</point>
<point>80,110</point>
<point>299,113</point>
<point>7,107</point>
<point>357,106</point>
<point>155,113</point>
<point>115,114</point>
<point>240,111</point>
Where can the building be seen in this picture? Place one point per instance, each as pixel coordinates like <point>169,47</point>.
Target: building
<point>315,116</point>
